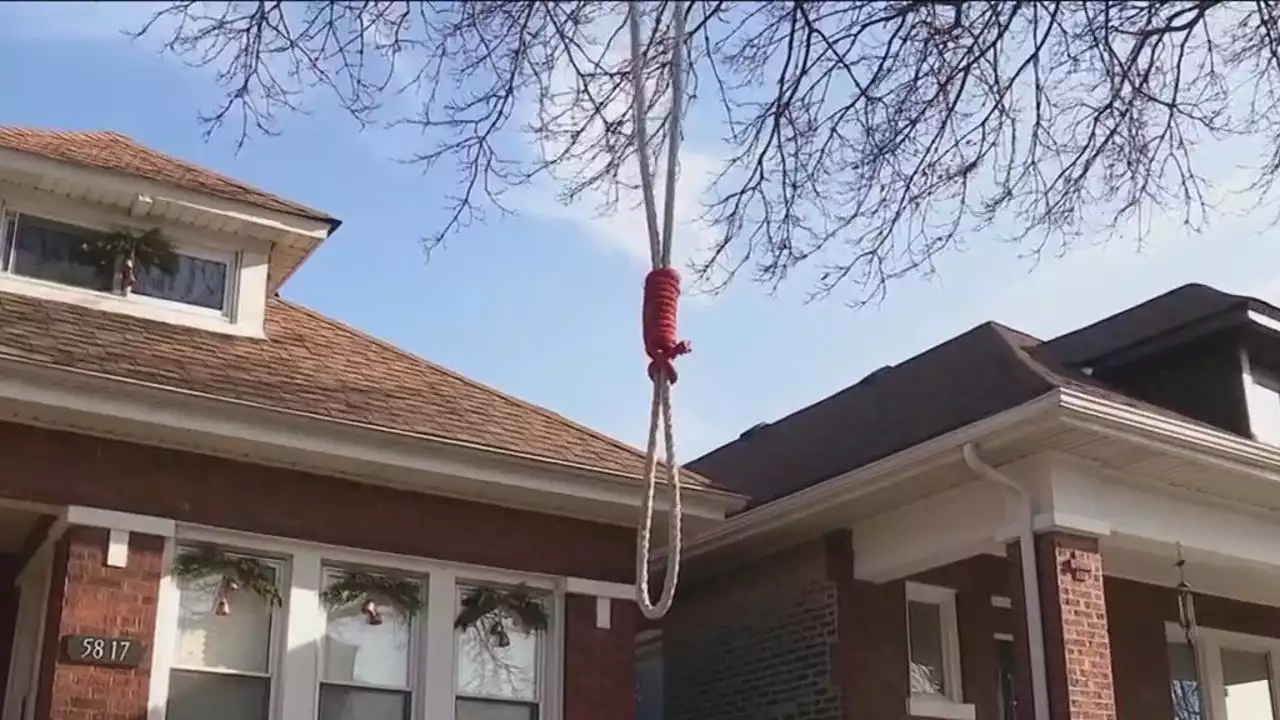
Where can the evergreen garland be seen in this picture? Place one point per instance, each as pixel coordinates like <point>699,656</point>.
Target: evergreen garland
<point>149,249</point>
<point>403,595</point>
<point>234,572</point>
<point>517,604</point>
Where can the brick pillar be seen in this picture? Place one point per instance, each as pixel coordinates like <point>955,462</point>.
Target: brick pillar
<point>88,597</point>
<point>599,663</point>
<point>1076,637</point>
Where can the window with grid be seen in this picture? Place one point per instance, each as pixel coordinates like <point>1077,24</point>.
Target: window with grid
<point>499,671</point>
<point>366,663</point>
<point>53,251</point>
<point>222,665</point>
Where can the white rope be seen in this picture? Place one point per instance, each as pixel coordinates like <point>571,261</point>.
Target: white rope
<point>660,255</point>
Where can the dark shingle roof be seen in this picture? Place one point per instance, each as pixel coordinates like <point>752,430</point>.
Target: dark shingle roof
<point>982,372</point>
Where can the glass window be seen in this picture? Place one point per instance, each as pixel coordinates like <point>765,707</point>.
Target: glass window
<point>195,281</point>
<point>222,662</point>
<point>366,663</point>
<point>1184,686</point>
<point>933,661</point>
<point>928,658</point>
<point>1006,698</point>
<point>499,671</point>
<point>1246,680</point>
<point>49,250</point>
<point>649,692</point>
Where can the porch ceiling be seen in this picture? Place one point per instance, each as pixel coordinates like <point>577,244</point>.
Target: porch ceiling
<point>1231,481</point>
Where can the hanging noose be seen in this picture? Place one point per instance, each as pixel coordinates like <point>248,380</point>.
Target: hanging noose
<point>661,297</point>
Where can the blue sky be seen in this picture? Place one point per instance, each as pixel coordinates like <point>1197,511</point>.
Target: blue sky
<point>545,306</point>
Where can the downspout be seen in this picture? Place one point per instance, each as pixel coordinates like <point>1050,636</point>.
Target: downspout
<point>1030,577</point>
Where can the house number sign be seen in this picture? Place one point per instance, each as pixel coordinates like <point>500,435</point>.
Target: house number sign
<point>103,650</point>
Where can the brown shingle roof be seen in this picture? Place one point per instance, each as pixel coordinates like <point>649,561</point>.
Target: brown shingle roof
<point>115,152</point>
<point>308,364</point>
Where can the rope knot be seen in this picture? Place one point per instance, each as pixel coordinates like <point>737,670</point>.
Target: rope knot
<point>661,304</point>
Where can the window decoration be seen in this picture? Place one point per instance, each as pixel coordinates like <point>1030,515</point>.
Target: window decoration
<point>234,574</point>
<point>131,251</point>
<point>488,607</point>
<point>373,592</point>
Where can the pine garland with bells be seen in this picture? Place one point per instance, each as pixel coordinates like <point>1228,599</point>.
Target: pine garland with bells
<point>373,592</point>
<point>493,605</point>
<point>234,573</point>
<point>149,249</point>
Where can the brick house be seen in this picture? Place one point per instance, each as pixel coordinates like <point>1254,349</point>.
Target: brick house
<point>991,530</point>
<point>157,415</point>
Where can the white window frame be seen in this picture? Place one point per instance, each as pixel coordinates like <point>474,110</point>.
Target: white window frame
<point>275,643</point>
<point>413,684</point>
<point>247,279</point>
<point>9,212</point>
<point>540,688</point>
<point>296,692</point>
<point>229,289</point>
<point>950,706</point>
<point>1208,646</point>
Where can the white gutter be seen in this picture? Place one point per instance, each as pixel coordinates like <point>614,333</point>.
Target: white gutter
<point>1030,576</point>
<point>863,480</point>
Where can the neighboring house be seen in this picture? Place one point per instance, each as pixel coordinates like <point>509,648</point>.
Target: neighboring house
<point>885,567</point>
<point>147,418</point>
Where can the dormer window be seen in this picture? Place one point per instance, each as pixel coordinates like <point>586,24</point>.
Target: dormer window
<point>39,248</point>
<point>50,250</point>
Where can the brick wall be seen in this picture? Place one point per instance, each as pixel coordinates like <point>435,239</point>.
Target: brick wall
<point>599,662</point>
<point>755,642</point>
<point>88,597</point>
<point>975,580</point>
<point>59,468</point>
<point>1077,641</point>
<point>1137,613</point>
<point>794,636</point>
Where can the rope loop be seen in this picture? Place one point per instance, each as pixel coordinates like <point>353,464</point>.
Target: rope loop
<point>661,301</point>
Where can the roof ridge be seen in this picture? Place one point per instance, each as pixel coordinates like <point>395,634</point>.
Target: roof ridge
<point>545,412</point>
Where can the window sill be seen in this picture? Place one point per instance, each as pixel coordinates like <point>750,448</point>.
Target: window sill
<point>933,707</point>
<point>111,302</point>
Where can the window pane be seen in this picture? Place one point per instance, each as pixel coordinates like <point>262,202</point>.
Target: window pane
<point>50,250</point>
<point>488,670</point>
<point>238,641</point>
<point>470,709</point>
<point>348,703</point>
<point>924,630</point>
<point>1005,659</point>
<point>355,651</point>
<point>213,696</point>
<point>195,281</point>
<point>649,684</point>
<point>1246,677</point>
<point>1183,684</point>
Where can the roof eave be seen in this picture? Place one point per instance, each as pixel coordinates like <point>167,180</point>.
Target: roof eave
<point>36,392</point>
<point>1073,407</point>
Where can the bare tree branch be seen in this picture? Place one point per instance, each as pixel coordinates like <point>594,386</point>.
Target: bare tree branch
<point>865,138</point>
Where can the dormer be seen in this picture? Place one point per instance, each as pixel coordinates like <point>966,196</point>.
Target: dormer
<point>234,245</point>
<point>1208,355</point>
